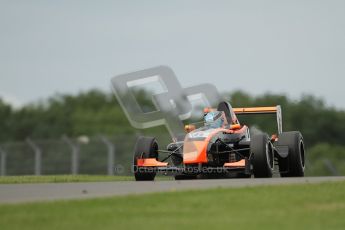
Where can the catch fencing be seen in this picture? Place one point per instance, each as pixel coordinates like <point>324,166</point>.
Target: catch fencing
<point>99,155</point>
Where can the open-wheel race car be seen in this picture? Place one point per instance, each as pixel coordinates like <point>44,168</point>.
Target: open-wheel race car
<point>222,147</point>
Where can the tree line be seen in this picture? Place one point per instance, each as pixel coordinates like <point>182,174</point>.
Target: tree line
<point>94,112</point>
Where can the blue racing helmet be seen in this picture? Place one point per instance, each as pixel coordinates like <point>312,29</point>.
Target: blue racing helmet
<point>214,119</point>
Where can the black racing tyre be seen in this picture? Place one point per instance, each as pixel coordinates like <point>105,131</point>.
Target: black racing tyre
<point>263,157</point>
<point>146,147</point>
<point>294,164</point>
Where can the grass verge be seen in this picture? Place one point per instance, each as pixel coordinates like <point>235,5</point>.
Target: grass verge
<point>310,206</point>
<point>60,178</point>
<point>67,179</point>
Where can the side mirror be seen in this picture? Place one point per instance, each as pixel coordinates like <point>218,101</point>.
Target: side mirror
<point>189,128</point>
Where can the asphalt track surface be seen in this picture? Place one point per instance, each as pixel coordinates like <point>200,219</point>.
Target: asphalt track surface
<point>19,193</point>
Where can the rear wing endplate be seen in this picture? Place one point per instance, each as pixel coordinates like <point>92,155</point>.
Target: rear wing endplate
<point>263,110</point>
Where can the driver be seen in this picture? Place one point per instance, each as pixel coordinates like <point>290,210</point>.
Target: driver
<point>214,119</point>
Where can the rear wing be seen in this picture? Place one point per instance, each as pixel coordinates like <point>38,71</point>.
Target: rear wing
<point>263,110</point>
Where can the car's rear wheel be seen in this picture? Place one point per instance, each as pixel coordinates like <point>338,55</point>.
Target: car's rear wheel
<point>263,156</point>
<point>294,164</point>
<point>146,147</point>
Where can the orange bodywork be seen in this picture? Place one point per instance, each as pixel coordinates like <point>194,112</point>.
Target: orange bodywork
<point>151,162</point>
<point>241,130</point>
<point>237,164</point>
<point>272,109</point>
<point>195,152</point>
<point>235,126</point>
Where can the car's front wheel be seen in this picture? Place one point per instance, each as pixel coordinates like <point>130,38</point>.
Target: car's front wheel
<point>146,147</point>
<point>263,156</point>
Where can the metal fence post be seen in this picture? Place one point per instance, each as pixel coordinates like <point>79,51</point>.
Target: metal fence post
<point>74,155</point>
<point>38,157</point>
<point>3,162</point>
<point>111,154</point>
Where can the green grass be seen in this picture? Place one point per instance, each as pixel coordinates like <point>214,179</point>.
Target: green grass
<point>67,179</point>
<point>61,178</point>
<point>311,206</point>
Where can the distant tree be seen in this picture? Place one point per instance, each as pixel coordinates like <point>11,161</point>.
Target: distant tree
<point>5,116</point>
<point>94,112</point>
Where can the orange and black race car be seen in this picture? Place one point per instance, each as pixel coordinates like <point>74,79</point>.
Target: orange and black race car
<point>223,147</point>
